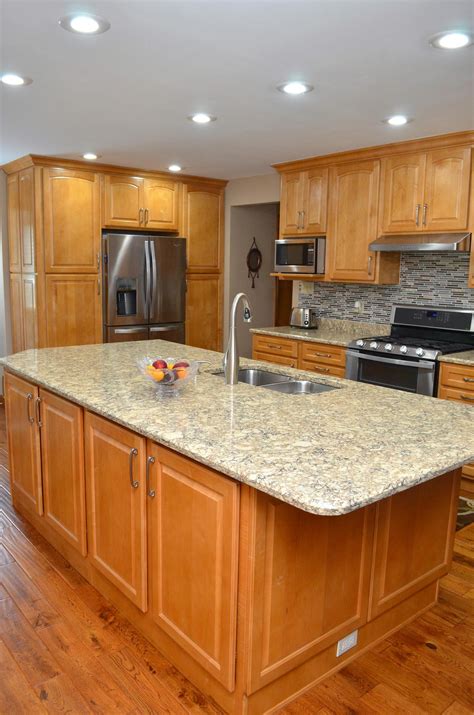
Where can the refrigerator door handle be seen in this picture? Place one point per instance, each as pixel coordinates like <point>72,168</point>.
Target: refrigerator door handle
<point>147,280</point>
<point>154,279</point>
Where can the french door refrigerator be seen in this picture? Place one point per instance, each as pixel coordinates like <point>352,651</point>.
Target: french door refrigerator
<point>144,287</point>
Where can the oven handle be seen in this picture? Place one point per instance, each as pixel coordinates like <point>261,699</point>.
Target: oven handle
<point>408,363</point>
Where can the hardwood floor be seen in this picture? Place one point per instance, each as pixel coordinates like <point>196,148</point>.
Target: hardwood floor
<point>64,648</point>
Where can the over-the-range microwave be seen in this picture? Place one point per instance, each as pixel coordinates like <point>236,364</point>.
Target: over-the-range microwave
<point>300,255</point>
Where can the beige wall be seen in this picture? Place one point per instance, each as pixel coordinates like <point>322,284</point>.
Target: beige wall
<point>248,191</point>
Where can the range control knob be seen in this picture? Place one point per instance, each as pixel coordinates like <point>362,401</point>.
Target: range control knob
<point>403,349</point>
<point>389,346</point>
<point>374,344</point>
<point>360,343</point>
<point>306,322</point>
<point>420,352</point>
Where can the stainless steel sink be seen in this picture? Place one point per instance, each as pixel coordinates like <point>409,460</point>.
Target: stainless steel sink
<point>299,387</point>
<point>259,378</point>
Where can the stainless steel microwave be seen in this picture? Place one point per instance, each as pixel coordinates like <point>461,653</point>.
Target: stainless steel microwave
<point>300,255</point>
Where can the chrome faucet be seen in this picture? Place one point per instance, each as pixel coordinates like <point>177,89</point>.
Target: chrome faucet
<point>231,355</point>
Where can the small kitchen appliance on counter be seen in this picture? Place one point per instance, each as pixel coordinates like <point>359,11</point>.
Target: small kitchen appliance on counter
<point>407,359</point>
<point>304,318</point>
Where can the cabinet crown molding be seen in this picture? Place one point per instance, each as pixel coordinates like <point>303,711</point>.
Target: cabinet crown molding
<point>39,160</point>
<point>378,151</point>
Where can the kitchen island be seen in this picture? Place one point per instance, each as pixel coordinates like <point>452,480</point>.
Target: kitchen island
<point>252,536</point>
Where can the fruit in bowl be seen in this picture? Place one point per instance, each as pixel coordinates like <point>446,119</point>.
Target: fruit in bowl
<point>168,372</point>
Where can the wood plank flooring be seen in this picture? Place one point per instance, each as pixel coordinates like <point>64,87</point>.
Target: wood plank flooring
<point>65,649</point>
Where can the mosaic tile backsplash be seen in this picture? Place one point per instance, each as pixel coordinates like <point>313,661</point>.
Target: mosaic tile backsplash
<point>425,279</point>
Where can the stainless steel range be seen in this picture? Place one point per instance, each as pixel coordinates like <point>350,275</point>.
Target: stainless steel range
<point>407,358</point>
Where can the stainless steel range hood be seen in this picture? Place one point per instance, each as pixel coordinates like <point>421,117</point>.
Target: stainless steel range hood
<point>454,242</point>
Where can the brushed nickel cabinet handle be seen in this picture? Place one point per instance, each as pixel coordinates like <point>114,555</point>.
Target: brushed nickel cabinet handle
<point>140,216</point>
<point>425,209</point>
<point>38,411</point>
<point>98,261</point>
<point>322,369</point>
<point>302,218</point>
<point>468,398</point>
<point>29,397</point>
<point>468,379</point>
<point>324,355</point>
<point>146,217</point>
<point>150,492</point>
<point>299,224</point>
<point>133,482</point>
<point>417,215</point>
<point>369,266</point>
<point>98,286</point>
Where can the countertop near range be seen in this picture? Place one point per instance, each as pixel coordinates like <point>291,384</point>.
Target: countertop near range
<point>330,331</point>
<point>466,358</point>
<point>329,453</point>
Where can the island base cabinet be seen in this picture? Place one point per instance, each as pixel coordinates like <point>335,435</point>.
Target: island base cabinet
<point>116,506</point>
<point>193,518</point>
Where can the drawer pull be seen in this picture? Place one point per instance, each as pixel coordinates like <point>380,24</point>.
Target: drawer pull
<point>468,398</point>
<point>324,355</point>
<point>468,379</point>
<point>133,482</point>
<point>271,345</point>
<point>322,369</point>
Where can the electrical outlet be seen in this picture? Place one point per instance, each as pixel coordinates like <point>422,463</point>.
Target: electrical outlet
<point>306,287</point>
<point>359,306</point>
<point>346,643</point>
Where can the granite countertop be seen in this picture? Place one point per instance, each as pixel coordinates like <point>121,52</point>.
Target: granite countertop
<point>330,331</point>
<point>466,358</point>
<point>328,454</point>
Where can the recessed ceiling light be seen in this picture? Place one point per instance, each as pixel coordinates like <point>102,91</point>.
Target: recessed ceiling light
<point>90,156</point>
<point>398,120</point>
<point>295,88</point>
<point>202,118</point>
<point>174,167</point>
<point>451,40</point>
<point>84,24</point>
<point>15,80</point>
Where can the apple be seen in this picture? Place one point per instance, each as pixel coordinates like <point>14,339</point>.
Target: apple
<point>181,363</point>
<point>160,364</point>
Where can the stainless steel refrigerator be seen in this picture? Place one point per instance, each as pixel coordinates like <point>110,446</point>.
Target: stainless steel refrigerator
<point>144,287</point>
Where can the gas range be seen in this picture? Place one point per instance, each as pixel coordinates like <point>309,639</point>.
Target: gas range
<point>406,358</point>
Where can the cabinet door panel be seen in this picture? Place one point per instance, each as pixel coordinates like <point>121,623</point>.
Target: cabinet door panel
<point>30,324</point>
<point>161,204</point>
<point>447,189</point>
<point>411,552</point>
<point>71,221</point>
<point>353,221</point>
<point>23,442</point>
<point>193,546</point>
<point>403,182</point>
<point>315,200</point>
<point>203,227</point>
<point>16,311</point>
<point>116,511</point>
<point>27,219</point>
<point>310,577</point>
<point>13,213</point>
<point>203,311</point>
<point>62,457</point>
<point>291,203</point>
<point>123,201</point>
<point>73,310</point>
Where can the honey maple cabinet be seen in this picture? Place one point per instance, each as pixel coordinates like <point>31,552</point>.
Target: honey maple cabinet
<point>73,309</point>
<point>23,311</point>
<point>138,202</point>
<point>203,311</point>
<point>426,191</point>
<point>322,358</point>
<point>303,202</point>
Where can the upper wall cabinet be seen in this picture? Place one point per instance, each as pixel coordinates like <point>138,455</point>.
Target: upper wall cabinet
<point>426,191</point>
<point>21,221</point>
<point>71,200</point>
<point>136,202</point>
<point>303,203</point>
<point>202,227</point>
<point>13,213</point>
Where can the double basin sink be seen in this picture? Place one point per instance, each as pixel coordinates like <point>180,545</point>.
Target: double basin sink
<point>280,383</point>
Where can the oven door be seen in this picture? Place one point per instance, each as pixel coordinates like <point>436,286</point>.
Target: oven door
<point>295,255</point>
<point>416,376</point>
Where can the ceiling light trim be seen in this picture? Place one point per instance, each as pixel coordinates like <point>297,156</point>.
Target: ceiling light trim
<point>436,40</point>
<point>6,76</point>
<point>66,23</point>
<point>202,118</point>
<point>299,88</point>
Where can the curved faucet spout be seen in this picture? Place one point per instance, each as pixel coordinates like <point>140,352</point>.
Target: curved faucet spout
<point>231,356</point>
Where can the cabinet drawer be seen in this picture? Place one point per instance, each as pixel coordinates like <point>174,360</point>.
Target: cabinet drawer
<point>323,369</point>
<point>279,346</point>
<point>468,472</point>
<point>457,376</point>
<point>278,359</point>
<point>449,393</point>
<point>323,353</point>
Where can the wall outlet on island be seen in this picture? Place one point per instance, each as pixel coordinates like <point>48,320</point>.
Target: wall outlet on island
<point>346,643</point>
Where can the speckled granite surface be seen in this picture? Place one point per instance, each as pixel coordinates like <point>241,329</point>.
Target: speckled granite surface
<point>333,332</point>
<point>327,454</point>
<point>466,358</point>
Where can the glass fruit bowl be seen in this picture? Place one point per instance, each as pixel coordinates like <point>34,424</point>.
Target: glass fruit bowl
<point>169,374</point>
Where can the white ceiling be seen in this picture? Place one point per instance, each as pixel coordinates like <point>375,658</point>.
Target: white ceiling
<point>126,94</point>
